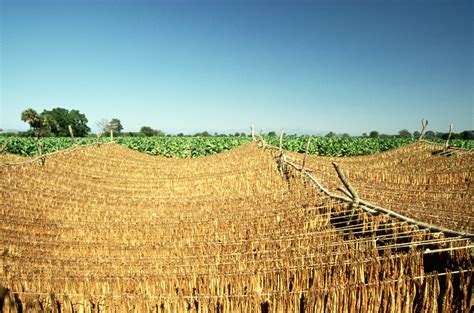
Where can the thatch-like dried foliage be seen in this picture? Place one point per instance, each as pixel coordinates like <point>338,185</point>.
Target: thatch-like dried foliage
<point>104,228</point>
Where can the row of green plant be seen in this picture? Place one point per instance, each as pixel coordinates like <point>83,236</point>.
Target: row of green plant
<point>186,147</point>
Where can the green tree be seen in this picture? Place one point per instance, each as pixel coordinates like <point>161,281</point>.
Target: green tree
<point>32,117</point>
<point>148,131</point>
<point>330,134</point>
<point>115,125</point>
<point>59,119</point>
<point>416,134</point>
<point>404,133</point>
<point>345,135</point>
<point>429,135</point>
<point>467,135</point>
<point>272,133</point>
<point>203,134</point>
<point>374,134</point>
<point>39,123</point>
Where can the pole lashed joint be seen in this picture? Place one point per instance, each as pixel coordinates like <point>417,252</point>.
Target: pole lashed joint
<point>353,193</point>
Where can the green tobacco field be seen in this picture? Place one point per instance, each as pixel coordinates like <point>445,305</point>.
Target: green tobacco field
<point>190,147</point>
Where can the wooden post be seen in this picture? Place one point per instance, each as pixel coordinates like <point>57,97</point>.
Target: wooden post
<point>342,177</point>
<point>281,140</point>
<point>99,135</point>
<point>260,136</point>
<point>72,135</point>
<point>306,153</point>
<point>423,126</point>
<point>111,135</point>
<point>40,151</point>
<point>253,132</point>
<point>446,145</point>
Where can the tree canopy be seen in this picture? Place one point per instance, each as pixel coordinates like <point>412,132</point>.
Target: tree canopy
<point>148,131</point>
<point>374,134</point>
<point>116,125</point>
<point>56,122</point>
<point>404,133</point>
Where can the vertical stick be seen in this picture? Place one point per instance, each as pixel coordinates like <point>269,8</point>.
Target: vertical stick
<point>99,135</point>
<point>40,147</point>
<point>423,126</point>
<point>281,140</point>
<point>306,153</point>
<point>40,151</point>
<point>111,135</point>
<point>260,136</point>
<point>72,134</point>
<point>446,145</point>
<point>253,132</point>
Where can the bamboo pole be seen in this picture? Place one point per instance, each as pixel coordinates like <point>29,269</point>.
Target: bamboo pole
<point>71,134</point>
<point>252,128</point>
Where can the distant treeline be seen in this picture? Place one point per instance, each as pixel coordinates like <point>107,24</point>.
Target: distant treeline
<point>429,135</point>
<point>56,123</point>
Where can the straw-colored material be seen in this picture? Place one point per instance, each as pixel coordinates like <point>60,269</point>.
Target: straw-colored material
<point>104,228</point>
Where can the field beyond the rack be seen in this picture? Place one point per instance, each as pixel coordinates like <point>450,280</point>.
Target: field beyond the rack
<point>102,227</point>
<point>196,146</point>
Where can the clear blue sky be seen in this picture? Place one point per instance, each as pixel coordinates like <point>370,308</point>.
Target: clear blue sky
<point>344,66</point>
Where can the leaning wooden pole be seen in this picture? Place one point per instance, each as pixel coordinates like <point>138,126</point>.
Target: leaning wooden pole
<point>344,180</point>
<point>371,208</point>
<point>446,145</point>
<point>423,126</point>
<point>71,134</point>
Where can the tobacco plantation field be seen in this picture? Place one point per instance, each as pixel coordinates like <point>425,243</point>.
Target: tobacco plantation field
<point>191,147</point>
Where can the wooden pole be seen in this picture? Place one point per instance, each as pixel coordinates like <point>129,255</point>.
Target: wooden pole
<point>40,151</point>
<point>346,183</point>
<point>306,153</point>
<point>260,136</point>
<point>281,140</point>
<point>252,128</point>
<point>111,135</point>
<point>72,135</point>
<point>99,135</point>
<point>446,145</point>
<point>423,126</point>
<point>371,208</point>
